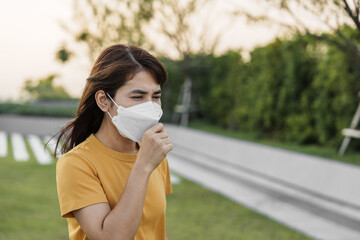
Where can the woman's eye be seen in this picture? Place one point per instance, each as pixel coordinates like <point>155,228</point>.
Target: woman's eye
<point>136,97</point>
<point>156,97</point>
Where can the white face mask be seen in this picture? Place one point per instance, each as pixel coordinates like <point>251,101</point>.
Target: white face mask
<point>132,122</point>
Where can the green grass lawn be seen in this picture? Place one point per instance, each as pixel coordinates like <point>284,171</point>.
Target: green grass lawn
<point>29,209</point>
<point>28,203</point>
<point>350,156</point>
<point>196,213</point>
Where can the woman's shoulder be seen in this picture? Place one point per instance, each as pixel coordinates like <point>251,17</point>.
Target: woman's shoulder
<point>79,151</point>
<point>76,156</point>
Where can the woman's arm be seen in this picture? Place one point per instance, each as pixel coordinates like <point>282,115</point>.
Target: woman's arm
<point>98,221</point>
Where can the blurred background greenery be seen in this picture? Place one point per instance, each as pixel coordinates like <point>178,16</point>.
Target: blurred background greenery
<point>301,87</point>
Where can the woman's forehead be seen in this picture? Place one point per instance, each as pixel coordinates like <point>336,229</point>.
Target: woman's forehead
<point>142,80</point>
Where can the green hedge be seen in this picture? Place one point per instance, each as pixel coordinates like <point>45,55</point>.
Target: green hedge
<point>29,109</point>
<point>294,90</point>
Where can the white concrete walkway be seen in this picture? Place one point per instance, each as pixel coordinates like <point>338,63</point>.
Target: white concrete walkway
<point>41,153</point>
<point>318,197</point>
<point>3,144</point>
<point>20,152</point>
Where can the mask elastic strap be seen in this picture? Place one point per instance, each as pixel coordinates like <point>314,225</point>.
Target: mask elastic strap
<point>113,102</point>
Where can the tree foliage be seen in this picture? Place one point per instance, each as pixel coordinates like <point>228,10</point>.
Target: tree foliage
<point>98,24</point>
<point>44,89</point>
<point>176,23</point>
<point>301,16</point>
<point>63,54</point>
<point>297,90</point>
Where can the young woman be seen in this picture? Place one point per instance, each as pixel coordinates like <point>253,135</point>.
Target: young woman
<point>113,179</point>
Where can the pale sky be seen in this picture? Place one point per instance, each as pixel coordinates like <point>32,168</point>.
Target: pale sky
<point>31,34</point>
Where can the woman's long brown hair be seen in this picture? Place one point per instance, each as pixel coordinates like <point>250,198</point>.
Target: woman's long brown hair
<point>114,66</point>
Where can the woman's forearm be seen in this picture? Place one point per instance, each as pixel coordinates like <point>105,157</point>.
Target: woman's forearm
<point>123,221</point>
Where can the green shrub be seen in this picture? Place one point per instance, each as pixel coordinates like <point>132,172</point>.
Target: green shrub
<point>28,109</point>
<point>297,90</point>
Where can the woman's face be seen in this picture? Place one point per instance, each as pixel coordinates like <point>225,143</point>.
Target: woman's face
<point>141,88</point>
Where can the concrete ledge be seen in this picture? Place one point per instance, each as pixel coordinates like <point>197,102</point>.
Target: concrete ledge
<point>334,180</point>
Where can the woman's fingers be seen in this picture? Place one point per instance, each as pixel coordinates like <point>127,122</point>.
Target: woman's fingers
<point>155,129</point>
<point>163,134</point>
<point>166,141</point>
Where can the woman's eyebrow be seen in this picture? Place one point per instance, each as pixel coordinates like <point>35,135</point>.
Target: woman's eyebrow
<point>140,91</point>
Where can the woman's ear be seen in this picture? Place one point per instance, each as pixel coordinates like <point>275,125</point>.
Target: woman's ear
<point>102,101</point>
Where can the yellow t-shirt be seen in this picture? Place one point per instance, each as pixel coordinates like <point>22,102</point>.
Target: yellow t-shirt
<point>92,173</point>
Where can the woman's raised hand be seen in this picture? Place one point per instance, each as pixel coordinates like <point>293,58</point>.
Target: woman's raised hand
<point>155,145</point>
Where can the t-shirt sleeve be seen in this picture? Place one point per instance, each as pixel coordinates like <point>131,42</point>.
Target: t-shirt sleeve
<point>166,176</point>
<point>78,185</point>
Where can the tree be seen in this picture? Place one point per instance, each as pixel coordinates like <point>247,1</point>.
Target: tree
<point>298,16</point>
<point>44,89</point>
<point>176,22</point>
<point>99,23</point>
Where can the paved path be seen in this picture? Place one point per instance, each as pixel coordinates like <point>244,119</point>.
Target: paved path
<point>42,126</point>
<point>316,196</point>
<point>32,129</point>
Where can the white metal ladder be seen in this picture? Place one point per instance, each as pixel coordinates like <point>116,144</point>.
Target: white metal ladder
<point>351,132</point>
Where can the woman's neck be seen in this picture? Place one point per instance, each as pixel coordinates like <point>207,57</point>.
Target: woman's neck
<point>110,137</point>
